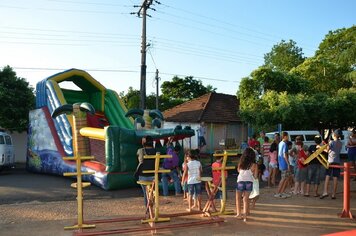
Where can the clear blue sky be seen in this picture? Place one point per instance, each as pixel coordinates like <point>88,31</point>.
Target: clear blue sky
<point>218,42</point>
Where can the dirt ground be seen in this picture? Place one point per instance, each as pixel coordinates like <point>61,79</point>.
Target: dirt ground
<point>33,204</point>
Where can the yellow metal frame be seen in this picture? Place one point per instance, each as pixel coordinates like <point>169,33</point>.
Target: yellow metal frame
<point>318,154</point>
<point>224,168</point>
<point>79,185</point>
<point>154,185</point>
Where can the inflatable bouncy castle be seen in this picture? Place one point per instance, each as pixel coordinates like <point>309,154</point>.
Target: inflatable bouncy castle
<point>107,132</point>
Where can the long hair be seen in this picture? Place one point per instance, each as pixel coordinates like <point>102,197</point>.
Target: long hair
<point>248,157</point>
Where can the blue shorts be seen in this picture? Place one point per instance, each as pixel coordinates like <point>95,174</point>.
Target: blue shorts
<point>351,157</point>
<point>333,172</point>
<point>194,189</point>
<point>243,186</point>
<point>218,194</point>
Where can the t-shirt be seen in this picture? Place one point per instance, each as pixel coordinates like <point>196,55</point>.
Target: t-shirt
<point>282,149</point>
<point>171,163</point>
<point>148,164</point>
<point>302,156</point>
<point>334,151</point>
<point>311,150</point>
<point>266,147</point>
<point>194,167</point>
<point>253,142</point>
<point>217,173</point>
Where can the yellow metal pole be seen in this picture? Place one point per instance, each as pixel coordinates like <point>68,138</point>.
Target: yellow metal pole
<point>156,172</point>
<point>79,185</point>
<point>223,168</point>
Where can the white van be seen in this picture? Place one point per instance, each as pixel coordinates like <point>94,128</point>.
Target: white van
<point>307,136</point>
<point>7,156</point>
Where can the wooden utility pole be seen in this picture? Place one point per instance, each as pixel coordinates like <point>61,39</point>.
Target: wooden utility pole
<point>143,12</point>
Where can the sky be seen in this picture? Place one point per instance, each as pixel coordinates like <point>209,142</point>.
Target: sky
<point>217,42</point>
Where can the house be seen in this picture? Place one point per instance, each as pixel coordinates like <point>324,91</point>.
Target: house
<point>217,114</point>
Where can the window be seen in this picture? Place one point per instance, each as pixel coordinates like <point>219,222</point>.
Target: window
<point>2,140</point>
<point>292,137</point>
<point>309,137</point>
<point>8,140</point>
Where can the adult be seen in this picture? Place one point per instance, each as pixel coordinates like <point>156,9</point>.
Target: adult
<point>273,161</point>
<point>261,139</point>
<point>172,165</point>
<point>252,143</point>
<point>351,149</point>
<point>284,166</point>
<point>333,149</point>
<point>314,168</point>
<point>201,135</point>
<point>146,164</point>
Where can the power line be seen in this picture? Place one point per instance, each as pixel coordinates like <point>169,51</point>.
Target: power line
<point>123,71</point>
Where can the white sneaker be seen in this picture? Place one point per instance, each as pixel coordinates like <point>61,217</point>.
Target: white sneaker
<point>286,195</point>
<point>278,195</point>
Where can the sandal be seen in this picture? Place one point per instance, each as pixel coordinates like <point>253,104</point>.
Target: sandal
<point>239,216</point>
<point>324,196</point>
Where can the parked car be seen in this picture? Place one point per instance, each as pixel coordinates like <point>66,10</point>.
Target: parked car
<point>307,136</point>
<point>7,155</point>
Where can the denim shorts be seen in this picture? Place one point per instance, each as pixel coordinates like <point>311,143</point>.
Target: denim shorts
<point>333,172</point>
<point>351,156</point>
<point>194,189</point>
<point>273,165</point>
<point>313,174</point>
<point>301,174</point>
<point>243,186</point>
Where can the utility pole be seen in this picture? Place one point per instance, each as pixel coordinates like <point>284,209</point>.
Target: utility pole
<point>143,12</point>
<point>157,86</point>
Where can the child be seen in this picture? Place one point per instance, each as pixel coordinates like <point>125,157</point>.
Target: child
<point>333,150</point>
<point>193,171</point>
<point>217,176</point>
<point>301,171</point>
<point>293,156</point>
<point>248,170</point>
<point>273,163</point>
<point>184,178</point>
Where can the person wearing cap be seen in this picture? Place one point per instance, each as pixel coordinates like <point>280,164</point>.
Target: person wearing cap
<point>333,150</point>
<point>351,149</point>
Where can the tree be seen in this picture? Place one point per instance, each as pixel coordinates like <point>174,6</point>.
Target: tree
<point>314,93</point>
<point>339,47</point>
<point>132,99</point>
<point>174,92</point>
<point>284,56</point>
<point>184,89</point>
<point>17,98</point>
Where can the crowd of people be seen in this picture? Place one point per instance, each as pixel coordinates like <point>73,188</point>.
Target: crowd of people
<point>280,157</point>
<point>263,160</point>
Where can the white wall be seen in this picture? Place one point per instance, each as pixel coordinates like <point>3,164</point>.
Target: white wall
<point>19,141</point>
<point>191,143</point>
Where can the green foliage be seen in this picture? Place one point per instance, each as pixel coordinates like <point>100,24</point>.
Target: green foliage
<point>174,92</point>
<point>339,47</point>
<point>284,56</point>
<point>17,98</point>
<point>314,93</point>
<point>185,88</point>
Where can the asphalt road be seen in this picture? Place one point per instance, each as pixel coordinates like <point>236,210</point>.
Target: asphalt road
<point>20,186</point>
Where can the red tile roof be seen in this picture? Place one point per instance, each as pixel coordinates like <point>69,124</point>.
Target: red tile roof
<point>211,107</point>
